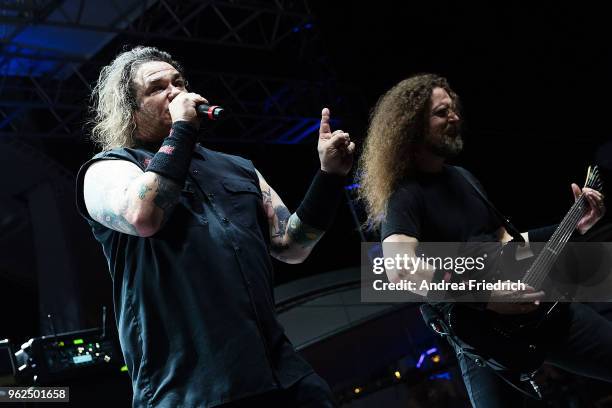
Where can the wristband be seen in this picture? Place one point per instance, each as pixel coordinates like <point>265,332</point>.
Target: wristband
<point>319,206</point>
<point>173,158</point>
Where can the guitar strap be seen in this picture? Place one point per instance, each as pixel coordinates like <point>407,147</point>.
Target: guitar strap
<point>512,230</point>
<point>524,383</point>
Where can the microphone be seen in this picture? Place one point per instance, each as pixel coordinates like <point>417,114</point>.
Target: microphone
<point>210,112</point>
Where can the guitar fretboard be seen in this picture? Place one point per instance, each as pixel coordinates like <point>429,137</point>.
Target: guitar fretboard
<point>535,276</point>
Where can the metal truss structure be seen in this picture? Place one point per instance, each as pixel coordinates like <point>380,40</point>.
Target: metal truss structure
<point>45,84</point>
<point>251,24</point>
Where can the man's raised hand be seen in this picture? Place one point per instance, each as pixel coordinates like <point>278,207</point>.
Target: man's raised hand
<point>335,149</point>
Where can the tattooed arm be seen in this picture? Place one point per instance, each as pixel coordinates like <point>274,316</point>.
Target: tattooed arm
<point>291,239</point>
<point>122,197</point>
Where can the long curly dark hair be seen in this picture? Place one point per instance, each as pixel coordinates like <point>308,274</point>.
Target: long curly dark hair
<point>397,123</point>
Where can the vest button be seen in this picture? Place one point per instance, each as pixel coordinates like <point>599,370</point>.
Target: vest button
<point>225,220</point>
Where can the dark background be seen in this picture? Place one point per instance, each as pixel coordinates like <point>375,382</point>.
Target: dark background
<point>533,78</point>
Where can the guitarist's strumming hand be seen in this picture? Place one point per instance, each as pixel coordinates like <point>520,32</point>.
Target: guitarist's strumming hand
<point>595,210</point>
<point>525,301</point>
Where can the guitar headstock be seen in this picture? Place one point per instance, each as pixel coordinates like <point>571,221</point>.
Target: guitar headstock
<point>593,180</point>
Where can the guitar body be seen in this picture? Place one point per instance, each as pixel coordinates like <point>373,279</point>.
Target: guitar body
<point>515,342</point>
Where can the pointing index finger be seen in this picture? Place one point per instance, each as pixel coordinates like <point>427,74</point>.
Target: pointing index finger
<point>325,115</point>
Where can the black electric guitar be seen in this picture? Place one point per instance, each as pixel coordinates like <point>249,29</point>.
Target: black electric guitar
<point>518,343</point>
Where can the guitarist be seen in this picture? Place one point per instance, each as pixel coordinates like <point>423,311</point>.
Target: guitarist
<point>412,195</point>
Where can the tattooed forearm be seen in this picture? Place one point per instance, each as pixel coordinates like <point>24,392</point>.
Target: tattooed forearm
<point>267,197</point>
<point>302,234</point>
<point>156,193</point>
<point>292,239</point>
<point>116,222</point>
<point>121,197</point>
<point>143,191</point>
<point>282,218</point>
<point>167,193</point>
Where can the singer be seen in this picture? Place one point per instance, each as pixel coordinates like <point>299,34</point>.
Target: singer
<point>188,233</point>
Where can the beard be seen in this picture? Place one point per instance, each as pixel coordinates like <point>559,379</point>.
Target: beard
<point>449,145</point>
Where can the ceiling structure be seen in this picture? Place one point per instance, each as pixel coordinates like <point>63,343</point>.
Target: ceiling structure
<point>51,57</point>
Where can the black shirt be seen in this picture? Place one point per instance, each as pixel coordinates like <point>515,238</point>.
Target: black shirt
<point>439,207</point>
<point>194,303</point>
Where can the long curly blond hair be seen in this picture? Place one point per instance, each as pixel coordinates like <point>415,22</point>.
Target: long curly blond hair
<point>113,99</point>
<point>397,123</point>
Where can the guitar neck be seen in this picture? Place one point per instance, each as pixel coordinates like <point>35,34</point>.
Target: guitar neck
<point>541,267</point>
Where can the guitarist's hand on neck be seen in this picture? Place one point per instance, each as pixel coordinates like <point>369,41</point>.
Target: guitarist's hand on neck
<point>530,301</point>
<point>595,210</point>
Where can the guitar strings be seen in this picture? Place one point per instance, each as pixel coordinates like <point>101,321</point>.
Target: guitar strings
<point>574,215</point>
<point>542,264</point>
<point>536,274</point>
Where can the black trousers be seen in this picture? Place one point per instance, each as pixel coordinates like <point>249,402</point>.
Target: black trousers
<point>586,350</point>
<point>309,392</point>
